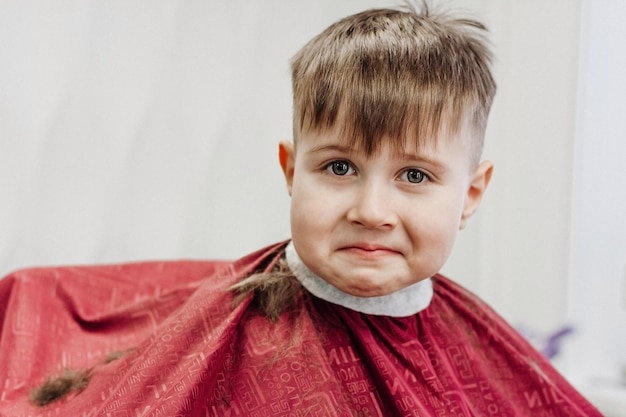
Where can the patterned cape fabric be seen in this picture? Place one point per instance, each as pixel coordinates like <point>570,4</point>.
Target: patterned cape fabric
<point>183,349</point>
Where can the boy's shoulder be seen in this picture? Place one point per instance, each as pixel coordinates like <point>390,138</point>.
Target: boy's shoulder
<point>455,300</point>
<point>102,285</point>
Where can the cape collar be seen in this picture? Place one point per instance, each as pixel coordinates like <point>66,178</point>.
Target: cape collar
<point>402,303</point>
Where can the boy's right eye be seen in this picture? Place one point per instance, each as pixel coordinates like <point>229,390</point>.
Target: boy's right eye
<point>340,167</point>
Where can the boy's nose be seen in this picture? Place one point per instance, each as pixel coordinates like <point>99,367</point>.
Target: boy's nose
<point>372,207</point>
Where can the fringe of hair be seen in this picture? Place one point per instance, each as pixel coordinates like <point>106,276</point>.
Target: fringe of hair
<point>274,292</point>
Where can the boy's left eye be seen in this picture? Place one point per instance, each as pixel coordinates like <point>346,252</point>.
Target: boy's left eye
<point>414,176</point>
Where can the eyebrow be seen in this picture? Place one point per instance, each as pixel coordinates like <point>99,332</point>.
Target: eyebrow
<point>331,147</point>
<point>417,157</point>
<point>404,156</point>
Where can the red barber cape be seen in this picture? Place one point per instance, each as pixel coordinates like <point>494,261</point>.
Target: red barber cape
<point>188,352</point>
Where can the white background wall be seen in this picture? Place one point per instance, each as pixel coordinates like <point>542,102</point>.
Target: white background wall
<point>597,279</point>
<point>133,130</point>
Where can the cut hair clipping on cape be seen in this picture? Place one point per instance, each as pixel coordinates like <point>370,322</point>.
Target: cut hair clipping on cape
<point>71,380</point>
<point>55,388</point>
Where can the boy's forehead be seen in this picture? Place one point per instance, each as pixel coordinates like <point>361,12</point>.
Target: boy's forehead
<point>408,143</point>
<point>405,146</point>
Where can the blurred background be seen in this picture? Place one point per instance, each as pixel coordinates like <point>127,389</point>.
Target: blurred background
<point>147,129</point>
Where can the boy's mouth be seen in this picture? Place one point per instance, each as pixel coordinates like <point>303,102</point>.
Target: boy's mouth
<point>369,250</point>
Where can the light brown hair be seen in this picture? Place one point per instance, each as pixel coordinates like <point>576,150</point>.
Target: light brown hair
<point>394,74</point>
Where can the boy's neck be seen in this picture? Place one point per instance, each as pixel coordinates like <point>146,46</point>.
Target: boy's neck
<point>402,303</point>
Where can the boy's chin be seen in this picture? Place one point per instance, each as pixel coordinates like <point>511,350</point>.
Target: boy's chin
<point>364,287</point>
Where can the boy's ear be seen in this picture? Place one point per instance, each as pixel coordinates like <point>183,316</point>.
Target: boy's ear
<point>286,157</point>
<point>476,190</point>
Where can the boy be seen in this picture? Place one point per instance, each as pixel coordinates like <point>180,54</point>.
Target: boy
<point>349,317</point>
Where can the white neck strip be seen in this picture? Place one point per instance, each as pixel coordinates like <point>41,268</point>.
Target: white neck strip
<point>402,303</point>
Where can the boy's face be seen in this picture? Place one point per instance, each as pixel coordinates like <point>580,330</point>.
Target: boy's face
<point>373,225</point>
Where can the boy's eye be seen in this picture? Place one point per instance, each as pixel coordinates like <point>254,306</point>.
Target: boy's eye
<point>340,168</point>
<point>414,176</point>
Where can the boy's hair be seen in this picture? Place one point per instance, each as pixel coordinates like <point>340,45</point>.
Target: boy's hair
<point>394,74</point>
